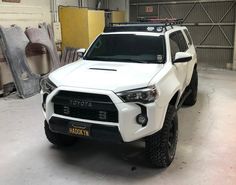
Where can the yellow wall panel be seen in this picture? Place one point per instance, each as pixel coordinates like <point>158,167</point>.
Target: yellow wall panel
<point>74,26</point>
<point>118,16</point>
<point>96,22</point>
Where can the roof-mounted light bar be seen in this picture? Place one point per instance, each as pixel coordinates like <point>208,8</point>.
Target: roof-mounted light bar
<point>144,24</point>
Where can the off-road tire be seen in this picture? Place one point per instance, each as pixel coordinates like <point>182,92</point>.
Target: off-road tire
<point>158,151</point>
<point>58,139</point>
<point>193,86</point>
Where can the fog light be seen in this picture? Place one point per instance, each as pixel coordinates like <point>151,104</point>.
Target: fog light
<point>142,119</point>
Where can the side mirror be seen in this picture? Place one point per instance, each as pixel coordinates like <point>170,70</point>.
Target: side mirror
<point>181,57</point>
<point>81,52</point>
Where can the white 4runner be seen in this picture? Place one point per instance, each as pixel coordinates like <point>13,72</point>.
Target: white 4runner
<point>127,86</point>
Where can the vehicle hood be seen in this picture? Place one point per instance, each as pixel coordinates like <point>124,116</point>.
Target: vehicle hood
<point>114,76</point>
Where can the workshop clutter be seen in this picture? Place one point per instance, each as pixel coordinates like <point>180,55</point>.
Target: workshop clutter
<point>30,55</point>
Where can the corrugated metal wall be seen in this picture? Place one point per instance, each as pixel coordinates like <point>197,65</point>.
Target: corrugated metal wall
<point>211,23</point>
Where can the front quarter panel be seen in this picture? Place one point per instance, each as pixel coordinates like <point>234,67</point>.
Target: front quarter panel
<point>167,85</point>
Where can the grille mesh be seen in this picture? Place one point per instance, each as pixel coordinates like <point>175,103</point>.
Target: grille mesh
<point>87,106</point>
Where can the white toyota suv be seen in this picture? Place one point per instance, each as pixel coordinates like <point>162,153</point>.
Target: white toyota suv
<point>127,86</point>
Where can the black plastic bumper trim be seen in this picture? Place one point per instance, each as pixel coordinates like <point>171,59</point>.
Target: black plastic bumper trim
<point>97,132</point>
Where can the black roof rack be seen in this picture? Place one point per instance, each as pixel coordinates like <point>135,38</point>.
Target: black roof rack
<point>144,25</point>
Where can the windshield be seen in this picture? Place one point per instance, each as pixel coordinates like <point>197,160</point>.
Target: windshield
<point>128,48</point>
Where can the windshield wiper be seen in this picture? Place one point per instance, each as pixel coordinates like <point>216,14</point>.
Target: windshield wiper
<point>134,60</point>
<point>97,58</point>
<point>117,59</point>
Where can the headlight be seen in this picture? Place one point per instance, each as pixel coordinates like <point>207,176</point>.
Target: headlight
<point>47,86</point>
<point>145,95</point>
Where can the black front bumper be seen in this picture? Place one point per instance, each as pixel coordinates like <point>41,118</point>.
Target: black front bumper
<point>98,132</point>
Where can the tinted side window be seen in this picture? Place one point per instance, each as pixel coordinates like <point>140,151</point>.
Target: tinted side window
<point>174,45</point>
<point>189,37</point>
<point>182,42</point>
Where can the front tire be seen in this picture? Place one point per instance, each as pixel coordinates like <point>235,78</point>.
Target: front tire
<point>161,146</point>
<point>58,139</point>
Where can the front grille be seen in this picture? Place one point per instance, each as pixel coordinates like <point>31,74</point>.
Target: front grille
<point>88,106</point>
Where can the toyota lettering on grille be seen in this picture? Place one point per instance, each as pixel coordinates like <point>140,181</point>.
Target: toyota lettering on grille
<point>81,103</point>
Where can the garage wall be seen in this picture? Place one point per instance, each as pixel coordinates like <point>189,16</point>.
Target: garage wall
<point>117,5</point>
<point>67,2</point>
<point>211,23</point>
<point>122,5</point>
<point>27,13</point>
<point>91,4</point>
<point>24,14</point>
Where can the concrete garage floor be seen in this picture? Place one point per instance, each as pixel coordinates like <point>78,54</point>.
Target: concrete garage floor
<point>205,154</point>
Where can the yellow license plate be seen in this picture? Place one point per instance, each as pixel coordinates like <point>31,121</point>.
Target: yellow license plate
<point>79,131</point>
